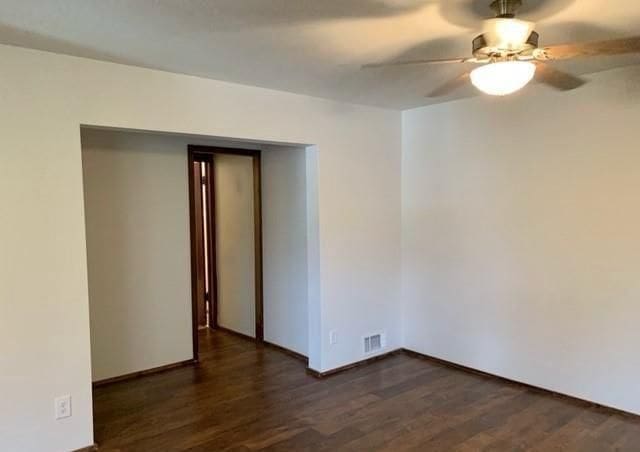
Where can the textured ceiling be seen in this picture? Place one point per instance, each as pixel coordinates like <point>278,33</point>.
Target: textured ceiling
<point>312,47</point>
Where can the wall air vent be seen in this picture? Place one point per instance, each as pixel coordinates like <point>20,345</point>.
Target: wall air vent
<point>373,343</point>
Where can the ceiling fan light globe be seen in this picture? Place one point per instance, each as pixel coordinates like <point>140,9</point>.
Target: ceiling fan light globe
<point>503,78</point>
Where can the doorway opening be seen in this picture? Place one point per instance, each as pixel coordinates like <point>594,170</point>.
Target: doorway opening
<point>139,259</point>
<point>202,246</point>
<point>225,201</point>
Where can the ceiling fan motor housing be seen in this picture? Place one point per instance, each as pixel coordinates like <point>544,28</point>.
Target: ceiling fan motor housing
<point>505,37</point>
<point>482,50</point>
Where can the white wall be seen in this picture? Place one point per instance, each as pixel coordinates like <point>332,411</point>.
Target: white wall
<point>521,247</point>
<point>284,224</point>
<point>316,339</point>
<point>235,244</point>
<point>354,245</point>
<point>138,252</point>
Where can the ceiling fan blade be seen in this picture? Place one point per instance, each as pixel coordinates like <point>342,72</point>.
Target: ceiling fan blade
<point>417,62</point>
<point>450,86</point>
<point>557,79</point>
<point>588,49</point>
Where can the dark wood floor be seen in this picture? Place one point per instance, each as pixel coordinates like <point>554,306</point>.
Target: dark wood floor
<point>244,398</point>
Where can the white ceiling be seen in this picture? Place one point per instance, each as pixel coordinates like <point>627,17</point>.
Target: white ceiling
<point>312,47</point>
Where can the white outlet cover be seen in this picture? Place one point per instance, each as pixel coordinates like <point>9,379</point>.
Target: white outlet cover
<point>62,407</point>
<point>333,337</point>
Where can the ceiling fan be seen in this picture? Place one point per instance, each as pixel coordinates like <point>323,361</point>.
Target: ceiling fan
<point>509,56</point>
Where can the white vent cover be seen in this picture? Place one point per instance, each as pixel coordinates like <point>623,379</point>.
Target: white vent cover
<point>373,343</point>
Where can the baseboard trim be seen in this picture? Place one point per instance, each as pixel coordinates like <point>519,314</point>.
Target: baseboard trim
<point>90,448</point>
<point>143,373</point>
<point>351,366</point>
<point>293,354</point>
<point>235,333</point>
<point>467,369</point>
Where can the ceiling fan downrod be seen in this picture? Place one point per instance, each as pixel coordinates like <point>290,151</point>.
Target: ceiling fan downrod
<point>506,8</point>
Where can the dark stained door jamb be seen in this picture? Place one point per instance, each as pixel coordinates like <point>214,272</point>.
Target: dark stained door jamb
<point>207,153</point>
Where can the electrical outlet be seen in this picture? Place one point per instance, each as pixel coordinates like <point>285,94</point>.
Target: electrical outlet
<point>63,406</point>
<point>333,337</point>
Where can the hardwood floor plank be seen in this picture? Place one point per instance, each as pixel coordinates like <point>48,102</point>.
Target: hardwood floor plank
<point>243,397</point>
<point>570,434</point>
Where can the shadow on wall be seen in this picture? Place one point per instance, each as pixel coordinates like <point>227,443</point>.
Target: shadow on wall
<point>234,15</point>
<point>14,36</point>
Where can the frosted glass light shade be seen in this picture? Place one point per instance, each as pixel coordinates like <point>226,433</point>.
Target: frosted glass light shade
<point>503,78</point>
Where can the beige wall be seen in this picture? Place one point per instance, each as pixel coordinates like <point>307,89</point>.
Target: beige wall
<point>234,222</point>
<point>284,222</point>
<point>137,217</point>
<point>355,240</point>
<point>521,250</point>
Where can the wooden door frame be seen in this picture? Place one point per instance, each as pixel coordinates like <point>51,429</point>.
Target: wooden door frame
<point>196,196</point>
<point>195,151</point>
